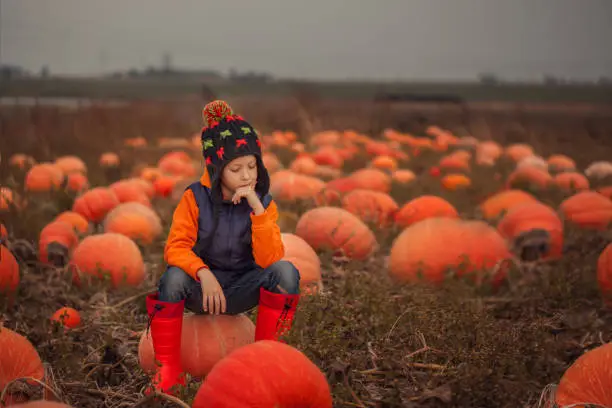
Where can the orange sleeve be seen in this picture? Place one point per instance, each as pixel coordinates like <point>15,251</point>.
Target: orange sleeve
<point>267,242</point>
<point>183,236</point>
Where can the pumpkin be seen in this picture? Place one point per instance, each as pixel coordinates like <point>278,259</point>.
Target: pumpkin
<point>328,156</point>
<point>423,207</point>
<point>134,220</point>
<point>334,190</point>
<point>7,198</point>
<point>290,186</point>
<point>487,153</point>
<point>604,273</point>
<point>454,182</point>
<point>175,166</point>
<point>403,176</point>
<point>588,209</point>
<point>426,249</point>
<point>76,182</point>
<point>384,163</point>
<point>108,253</point>
<point>605,191</point>
<point>43,177</point>
<point>109,160</point>
<point>336,229</point>
<point>534,231</point>
<point>271,162</point>
<point>3,232</point>
<point>305,259</point>
<point>21,161</point>
<point>518,151</point>
<point>495,205</point>
<point>56,240</point>
<point>164,185</point>
<point>529,177</point>
<point>205,340</point>
<point>78,222</point>
<point>559,162</point>
<point>599,170</point>
<point>18,359</point>
<point>71,164</point>
<point>67,317</point>
<point>533,161</point>
<point>588,381</point>
<point>454,163</point>
<point>264,374</point>
<point>372,179</point>
<point>133,190</point>
<point>304,165</point>
<point>94,204</point>
<point>570,181</point>
<point>9,271</point>
<point>371,206</point>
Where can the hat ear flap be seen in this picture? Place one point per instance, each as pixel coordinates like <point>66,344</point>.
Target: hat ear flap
<point>263,178</point>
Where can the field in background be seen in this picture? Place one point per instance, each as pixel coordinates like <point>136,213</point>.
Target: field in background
<point>380,344</point>
<point>151,88</point>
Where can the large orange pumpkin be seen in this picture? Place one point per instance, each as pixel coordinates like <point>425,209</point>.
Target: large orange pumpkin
<point>559,162</point>
<point>43,177</point>
<point>94,204</point>
<point>18,359</point>
<point>495,205</point>
<point>403,176</point>
<point>134,220</point>
<point>588,209</point>
<point>336,229</point>
<point>372,179</point>
<point>604,273</point>
<point>334,190</point>
<point>78,222</point>
<point>534,231</point>
<point>423,207</point>
<point>57,239</point>
<point>71,164</point>
<point>529,177</point>
<point>264,374</point>
<point>305,259</point>
<point>425,250</point>
<point>133,190</point>
<point>588,381</point>
<point>290,186</point>
<point>371,206</point>
<point>570,181</point>
<point>9,272</point>
<point>205,340</point>
<point>110,253</point>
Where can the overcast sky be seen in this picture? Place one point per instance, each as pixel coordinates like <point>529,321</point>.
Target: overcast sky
<point>382,39</point>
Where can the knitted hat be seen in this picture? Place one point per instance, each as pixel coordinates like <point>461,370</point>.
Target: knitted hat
<point>226,137</point>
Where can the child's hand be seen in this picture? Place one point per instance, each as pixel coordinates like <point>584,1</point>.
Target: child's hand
<point>213,299</point>
<point>251,197</point>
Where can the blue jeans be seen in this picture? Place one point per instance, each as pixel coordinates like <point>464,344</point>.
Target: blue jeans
<point>241,290</point>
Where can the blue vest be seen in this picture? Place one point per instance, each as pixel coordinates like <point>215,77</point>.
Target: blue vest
<point>230,248</point>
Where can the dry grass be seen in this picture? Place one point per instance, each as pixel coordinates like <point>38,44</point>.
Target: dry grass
<point>379,343</point>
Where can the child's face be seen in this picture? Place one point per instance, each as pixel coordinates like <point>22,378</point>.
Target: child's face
<point>240,172</point>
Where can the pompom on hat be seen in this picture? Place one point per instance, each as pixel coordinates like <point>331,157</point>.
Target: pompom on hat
<point>225,137</point>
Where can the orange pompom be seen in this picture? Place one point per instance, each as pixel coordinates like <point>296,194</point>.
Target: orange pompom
<point>216,111</point>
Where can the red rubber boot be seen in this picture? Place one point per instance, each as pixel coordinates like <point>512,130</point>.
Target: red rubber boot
<point>166,324</point>
<point>275,315</point>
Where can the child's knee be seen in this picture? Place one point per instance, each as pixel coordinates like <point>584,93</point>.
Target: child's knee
<point>288,276</point>
<point>174,280</point>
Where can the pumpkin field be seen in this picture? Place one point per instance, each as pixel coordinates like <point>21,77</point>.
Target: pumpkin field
<point>449,256</point>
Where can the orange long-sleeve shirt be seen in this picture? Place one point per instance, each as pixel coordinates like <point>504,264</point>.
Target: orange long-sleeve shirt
<point>266,236</point>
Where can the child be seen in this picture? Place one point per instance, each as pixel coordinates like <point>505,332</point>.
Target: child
<point>224,248</point>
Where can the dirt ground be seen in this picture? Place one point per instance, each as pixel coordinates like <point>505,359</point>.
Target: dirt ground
<point>380,344</point>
